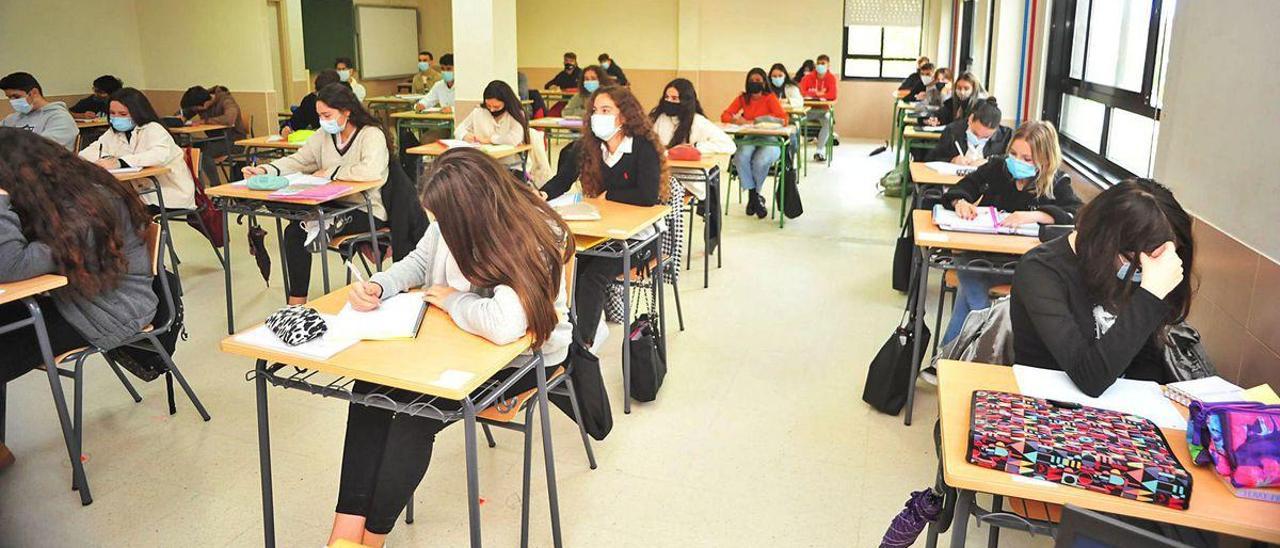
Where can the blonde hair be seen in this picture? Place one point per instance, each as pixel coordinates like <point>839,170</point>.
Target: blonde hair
<point>1042,137</point>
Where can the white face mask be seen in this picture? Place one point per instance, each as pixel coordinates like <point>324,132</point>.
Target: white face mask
<point>926,80</point>
<point>604,126</point>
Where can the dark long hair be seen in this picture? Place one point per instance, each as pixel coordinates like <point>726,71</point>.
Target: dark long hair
<point>500,232</point>
<point>780,92</point>
<point>71,206</point>
<point>746,97</point>
<point>140,109</point>
<point>805,68</point>
<point>499,90</point>
<point>340,97</point>
<point>689,108</point>
<point>634,124</point>
<point>1133,217</point>
<point>601,75</point>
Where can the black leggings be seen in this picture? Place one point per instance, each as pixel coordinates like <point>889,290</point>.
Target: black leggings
<point>594,275</point>
<point>22,349</point>
<point>385,456</point>
<point>299,257</point>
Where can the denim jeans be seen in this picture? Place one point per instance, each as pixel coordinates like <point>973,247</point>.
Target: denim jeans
<point>753,162</point>
<point>970,296</point>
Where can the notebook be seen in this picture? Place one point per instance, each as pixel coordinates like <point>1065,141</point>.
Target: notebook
<point>308,187</point>
<point>323,348</point>
<point>134,169</point>
<point>396,318</point>
<point>1207,390</point>
<point>570,122</point>
<point>932,129</point>
<point>948,168</point>
<point>987,222</point>
<point>579,211</point>
<point>456,143</point>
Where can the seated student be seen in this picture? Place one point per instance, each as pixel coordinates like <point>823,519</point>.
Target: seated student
<point>753,161</point>
<point>137,138</point>
<point>96,104</point>
<point>620,158</point>
<point>347,73</point>
<point>494,261</point>
<point>442,93</point>
<point>59,215</point>
<point>966,95</point>
<point>820,84</point>
<point>500,121</point>
<point>305,117</point>
<point>924,80</point>
<point>592,78</point>
<point>32,112</point>
<point>678,120</point>
<point>568,78</point>
<point>912,81</point>
<point>970,142</point>
<point>215,105</point>
<point>784,88</point>
<point>939,90</point>
<point>805,68</point>
<point>427,75</point>
<point>1096,303</point>
<point>613,69</point>
<point>1026,182</point>
<point>352,147</point>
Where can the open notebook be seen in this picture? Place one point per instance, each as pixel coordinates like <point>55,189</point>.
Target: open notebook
<point>948,168</point>
<point>572,208</point>
<point>308,187</point>
<point>987,222</point>
<point>397,318</point>
<point>323,348</point>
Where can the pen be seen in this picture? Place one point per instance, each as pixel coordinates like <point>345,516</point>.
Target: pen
<point>355,272</point>
<point>958,149</point>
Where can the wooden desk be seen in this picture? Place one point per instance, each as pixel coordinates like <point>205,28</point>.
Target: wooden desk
<point>704,172</point>
<point>91,123</point>
<point>437,148</point>
<point>13,291</point>
<point>408,120</point>
<point>914,132</point>
<point>583,243</point>
<point>390,99</point>
<point>733,129</point>
<point>1212,506</point>
<point>618,221</point>
<point>196,128</point>
<point>708,161</point>
<point>928,235</point>
<point>819,103</point>
<point>146,172</point>
<point>922,174</point>
<point>241,192</point>
<point>432,115</point>
<point>553,122</point>
<point>556,95</point>
<point>279,143</point>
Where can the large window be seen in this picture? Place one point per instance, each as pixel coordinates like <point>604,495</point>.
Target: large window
<point>1103,82</point>
<point>881,38</point>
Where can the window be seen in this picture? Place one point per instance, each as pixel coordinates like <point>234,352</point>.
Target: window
<point>881,38</point>
<point>1104,80</point>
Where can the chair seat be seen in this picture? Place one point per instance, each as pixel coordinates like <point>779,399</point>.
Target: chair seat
<point>635,271</point>
<point>1034,509</point>
<point>338,241</point>
<point>60,358</point>
<point>508,414</point>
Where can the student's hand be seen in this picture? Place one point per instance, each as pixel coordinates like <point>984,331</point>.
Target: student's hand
<point>1026,217</point>
<point>965,210</point>
<point>1161,270</point>
<point>419,107</point>
<point>3,192</point>
<point>540,193</point>
<point>364,296</point>
<point>446,110</point>
<point>250,171</point>
<point>962,160</point>
<point>484,140</point>
<point>108,163</point>
<point>321,174</point>
<point>920,96</point>
<point>553,88</point>
<point>437,294</point>
<point>740,120</point>
<point>471,139</point>
<point>285,131</point>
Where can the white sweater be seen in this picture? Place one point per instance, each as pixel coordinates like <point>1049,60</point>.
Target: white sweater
<point>150,146</point>
<point>366,159</point>
<point>793,97</point>
<point>504,130</point>
<point>707,137</point>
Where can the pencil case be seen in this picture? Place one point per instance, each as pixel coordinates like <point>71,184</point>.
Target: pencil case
<point>267,182</point>
<point>297,325</point>
<point>1241,440</point>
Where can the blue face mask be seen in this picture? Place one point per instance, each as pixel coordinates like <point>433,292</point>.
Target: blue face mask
<point>605,126</point>
<point>122,124</point>
<point>1018,168</point>
<point>21,105</point>
<point>1123,272</point>
<point>447,76</point>
<point>423,66</point>
<point>974,140</point>
<point>591,85</point>
<point>344,74</point>
<point>331,126</point>
<point>605,65</point>
<point>822,69</point>
<point>777,81</point>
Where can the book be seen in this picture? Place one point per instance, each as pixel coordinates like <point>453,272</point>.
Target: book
<point>1207,390</point>
<point>134,169</point>
<point>987,222</point>
<point>948,168</point>
<point>305,187</point>
<point>399,317</point>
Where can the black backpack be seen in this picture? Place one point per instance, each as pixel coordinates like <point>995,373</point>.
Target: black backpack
<point>141,360</point>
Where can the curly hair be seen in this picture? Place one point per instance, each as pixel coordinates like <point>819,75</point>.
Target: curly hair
<point>634,124</point>
<point>71,206</point>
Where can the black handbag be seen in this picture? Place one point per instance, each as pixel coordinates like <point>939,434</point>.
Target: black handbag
<point>891,370</point>
<point>791,206</point>
<point>648,361</point>
<point>902,252</point>
<point>588,387</point>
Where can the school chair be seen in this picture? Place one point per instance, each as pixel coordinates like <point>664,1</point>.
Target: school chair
<point>948,286</point>
<point>665,262</point>
<point>775,171</point>
<point>147,339</point>
<point>243,156</point>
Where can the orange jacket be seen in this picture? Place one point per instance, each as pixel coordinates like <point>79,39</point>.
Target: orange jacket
<point>821,87</point>
<point>764,105</point>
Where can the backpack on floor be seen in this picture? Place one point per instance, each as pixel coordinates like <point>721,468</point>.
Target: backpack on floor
<point>892,182</point>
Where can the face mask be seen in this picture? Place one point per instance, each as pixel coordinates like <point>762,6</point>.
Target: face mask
<point>755,87</point>
<point>1018,168</point>
<point>975,141</point>
<point>21,105</point>
<point>777,81</point>
<point>331,126</point>
<point>963,95</point>
<point>122,123</point>
<point>926,80</point>
<point>344,74</point>
<point>605,65</point>
<point>605,126</point>
<point>447,76</point>
<point>591,85</point>
<point>423,66</point>
<point>1123,272</point>
<point>568,66</point>
<point>822,70</point>
<point>669,108</point>
<point>497,113</point>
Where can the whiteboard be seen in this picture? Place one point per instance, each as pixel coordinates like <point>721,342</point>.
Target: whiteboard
<point>387,40</point>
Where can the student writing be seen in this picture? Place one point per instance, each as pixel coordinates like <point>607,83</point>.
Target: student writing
<point>966,95</point>
<point>753,161</point>
<point>500,121</point>
<point>137,138</point>
<point>97,103</point>
<point>970,142</point>
<point>305,116</point>
<point>591,79</point>
<point>34,113</point>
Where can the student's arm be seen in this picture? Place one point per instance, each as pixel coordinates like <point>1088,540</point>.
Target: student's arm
<point>1065,202</point>
<point>305,160</point>
<point>155,147</point>
<point>830,87</point>
<point>709,138</point>
<point>1093,364</point>
<point>794,98</point>
<point>971,187</point>
<point>414,270</point>
<point>648,170</point>
<point>85,106</point>
<point>945,149</point>
<point>371,161</point>
<point>432,98</point>
<point>908,82</point>
<point>734,108</point>
<point>96,150</point>
<point>20,259</point>
<point>508,132</point>
<point>566,172</point>
<point>500,318</point>
<point>61,129</point>
<point>468,125</point>
<point>576,107</point>
<point>620,76</point>
<point>775,107</point>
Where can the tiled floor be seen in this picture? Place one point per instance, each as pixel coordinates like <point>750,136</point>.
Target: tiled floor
<point>759,437</point>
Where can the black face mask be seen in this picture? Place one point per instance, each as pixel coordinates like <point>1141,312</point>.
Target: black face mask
<point>497,113</point>
<point>669,108</point>
<point>568,67</point>
<point>755,87</point>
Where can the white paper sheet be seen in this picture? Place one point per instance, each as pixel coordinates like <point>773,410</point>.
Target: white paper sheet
<point>1141,398</point>
<point>322,348</point>
<point>134,169</point>
<point>987,222</point>
<point>396,318</point>
<point>948,168</point>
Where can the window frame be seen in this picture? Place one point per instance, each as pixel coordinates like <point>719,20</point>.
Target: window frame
<point>845,56</point>
<point>1059,83</point>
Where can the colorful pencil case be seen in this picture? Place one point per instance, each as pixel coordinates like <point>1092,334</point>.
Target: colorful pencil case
<point>267,182</point>
<point>1240,439</point>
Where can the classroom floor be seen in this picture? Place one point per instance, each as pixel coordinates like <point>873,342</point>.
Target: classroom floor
<point>759,437</point>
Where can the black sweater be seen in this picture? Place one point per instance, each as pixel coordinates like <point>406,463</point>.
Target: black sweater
<point>955,136</point>
<point>995,185</point>
<point>91,104</point>
<point>616,73</point>
<point>305,117</point>
<point>565,79</point>
<point>1054,328</point>
<point>633,180</point>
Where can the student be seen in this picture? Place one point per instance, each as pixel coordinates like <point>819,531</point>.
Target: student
<point>805,68</point>
<point>347,73</point>
<point>96,104</point>
<point>753,161</point>
<point>500,121</point>
<point>427,74</point>
<point>784,88</point>
<point>940,90</point>
<point>923,80</point>
<point>970,142</point>
<point>678,120</point>
<point>59,215</point>
<point>966,95</point>
<point>1097,302</point>
<point>352,147</point>
<point>137,138</point>
<point>568,78</point>
<point>913,80</point>
<point>442,93</point>
<point>1026,182</point>
<point>215,105</point>
<point>820,84</point>
<point>613,69</point>
<point>494,261</point>
<point>305,117</point>
<point>32,112</point>
<point>592,78</point>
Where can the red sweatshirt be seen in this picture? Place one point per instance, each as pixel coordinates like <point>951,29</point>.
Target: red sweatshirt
<point>821,87</point>
<point>764,105</point>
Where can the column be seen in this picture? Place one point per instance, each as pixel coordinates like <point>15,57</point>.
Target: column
<point>484,49</point>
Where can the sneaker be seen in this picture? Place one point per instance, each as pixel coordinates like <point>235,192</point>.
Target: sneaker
<point>818,157</point>
<point>930,375</point>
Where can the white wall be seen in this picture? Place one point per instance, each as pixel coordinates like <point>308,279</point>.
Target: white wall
<point>68,43</point>
<point>187,43</point>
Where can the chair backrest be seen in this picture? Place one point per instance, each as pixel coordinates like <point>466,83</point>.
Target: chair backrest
<point>193,165</point>
<point>153,234</point>
<point>569,279</point>
<point>79,137</point>
<point>247,120</point>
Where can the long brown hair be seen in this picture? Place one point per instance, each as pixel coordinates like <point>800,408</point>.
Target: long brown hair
<point>340,97</point>
<point>634,124</point>
<point>71,206</point>
<point>501,232</point>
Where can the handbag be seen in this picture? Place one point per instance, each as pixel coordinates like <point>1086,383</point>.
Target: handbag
<point>210,215</point>
<point>790,189</point>
<point>1239,439</point>
<point>593,411</point>
<point>902,252</point>
<point>891,370</point>
<point>648,349</point>
<point>1184,355</point>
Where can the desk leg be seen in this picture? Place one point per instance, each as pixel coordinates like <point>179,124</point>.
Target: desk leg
<point>324,251</point>
<point>373,231</point>
<point>917,319</point>
<point>626,325</point>
<point>960,521</point>
<point>284,259</point>
<point>473,470</point>
<point>781,199</point>
<point>993,534</point>
<point>264,456</point>
<point>226,271</point>
<point>78,480</point>
<point>548,455</point>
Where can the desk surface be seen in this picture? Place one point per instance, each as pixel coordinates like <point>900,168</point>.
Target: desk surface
<point>196,128</point>
<point>263,142</point>
<point>94,122</point>
<point>1212,506</point>
<point>819,103</point>
<point>925,175</point>
<point>412,364</point>
<point>22,289</point>
<point>732,129</point>
<point>437,148</point>
<point>557,93</point>
<point>929,235</point>
<point>552,122</point>
<point>145,173</point>
<point>583,243</point>
<point>411,115</point>
<point>241,192</point>
<point>914,132</point>
<point>708,161</point>
<point>390,99</point>
<point>618,221</point>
